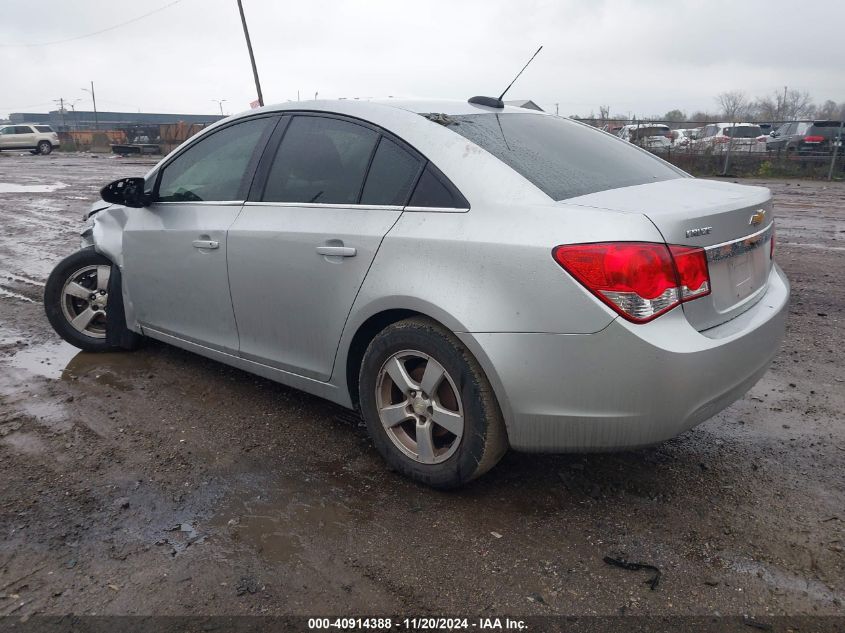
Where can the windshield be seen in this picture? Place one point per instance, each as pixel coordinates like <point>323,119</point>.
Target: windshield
<point>562,158</point>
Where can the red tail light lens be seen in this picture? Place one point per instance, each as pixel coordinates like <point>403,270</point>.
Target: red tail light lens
<point>639,280</point>
<point>814,139</point>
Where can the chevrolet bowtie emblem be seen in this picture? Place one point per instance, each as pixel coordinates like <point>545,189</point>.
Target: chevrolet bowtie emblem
<point>757,218</point>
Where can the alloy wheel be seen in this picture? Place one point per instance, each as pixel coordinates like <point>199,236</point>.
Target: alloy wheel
<point>85,297</point>
<point>420,407</point>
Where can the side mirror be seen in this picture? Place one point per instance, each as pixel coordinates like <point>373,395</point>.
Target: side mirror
<point>127,191</point>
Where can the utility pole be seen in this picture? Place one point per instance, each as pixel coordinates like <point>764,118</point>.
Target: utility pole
<point>62,110</point>
<point>94,99</point>
<point>220,102</point>
<point>557,109</point>
<point>251,56</point>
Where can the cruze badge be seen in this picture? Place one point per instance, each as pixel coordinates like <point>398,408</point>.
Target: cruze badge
<point>757,218</point>
<point>704,230</point>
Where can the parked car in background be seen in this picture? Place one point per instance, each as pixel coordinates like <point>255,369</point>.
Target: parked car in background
<point>37,138</point>
<point>741,137</point>
<point>655,136</point>
<point>471,278</point>
<point>683,137</point>
<point>805,137</point>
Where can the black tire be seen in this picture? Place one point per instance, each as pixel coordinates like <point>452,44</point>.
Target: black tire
<point>44,147</point>
<point>57,308</point>
<point>484,439</point>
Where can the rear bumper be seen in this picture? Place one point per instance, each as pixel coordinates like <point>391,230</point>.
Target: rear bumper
<point>628,385</point>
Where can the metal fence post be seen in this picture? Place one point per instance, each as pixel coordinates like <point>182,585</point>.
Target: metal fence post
<point>728,154</point>
<point>836,150</point>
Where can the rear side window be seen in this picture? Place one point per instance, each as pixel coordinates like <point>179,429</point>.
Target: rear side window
<point>562,158</point>
<point>320,159</point>
<point>392,175</point>
<point>23,129</point>
<point>44,128</point>
<point>433,190</point>
<point>214,168</point>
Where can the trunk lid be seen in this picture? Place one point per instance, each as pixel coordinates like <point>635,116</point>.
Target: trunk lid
<point>733,223</point>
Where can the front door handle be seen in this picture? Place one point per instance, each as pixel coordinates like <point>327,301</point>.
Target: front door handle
<point>209,244</point>
<point>337,251</point>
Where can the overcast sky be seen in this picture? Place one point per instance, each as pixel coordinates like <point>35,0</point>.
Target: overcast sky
<point>638,56</point>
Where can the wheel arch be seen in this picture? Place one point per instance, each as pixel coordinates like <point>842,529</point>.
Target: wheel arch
<point>384,314</point>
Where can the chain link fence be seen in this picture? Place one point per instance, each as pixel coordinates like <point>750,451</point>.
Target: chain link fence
<point>810,149</point>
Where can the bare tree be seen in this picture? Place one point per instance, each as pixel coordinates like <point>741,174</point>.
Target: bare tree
<point>788,105</point>
<point>828,110</point>
<point>604,113</point>
<point>734,105</point>
<point>702,117</point>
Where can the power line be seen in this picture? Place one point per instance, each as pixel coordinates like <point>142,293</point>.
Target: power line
<point>79,37</point>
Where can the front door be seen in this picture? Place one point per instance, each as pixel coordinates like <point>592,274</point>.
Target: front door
<point>175,249</point>
<point>299,251</point>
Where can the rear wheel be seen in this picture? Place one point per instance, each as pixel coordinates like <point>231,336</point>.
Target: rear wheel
<point>45,147</point>
<point>76,300</point>
<point>428,405</point>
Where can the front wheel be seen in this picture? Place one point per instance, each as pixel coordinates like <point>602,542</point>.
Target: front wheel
<point>428,406</point>
<point>77,301</point>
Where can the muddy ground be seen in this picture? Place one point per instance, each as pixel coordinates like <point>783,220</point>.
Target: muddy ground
<point>161,482</point>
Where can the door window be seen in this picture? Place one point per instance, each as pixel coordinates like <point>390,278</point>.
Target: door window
<point>321,160</point>
<point>214,168</point>
<point>23,129</point>
<point>392,175</point>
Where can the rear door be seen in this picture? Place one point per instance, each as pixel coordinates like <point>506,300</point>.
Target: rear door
<point>175,249</point>
<point>329,189</point>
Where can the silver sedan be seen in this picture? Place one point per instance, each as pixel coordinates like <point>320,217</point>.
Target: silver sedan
<point>470,277</point>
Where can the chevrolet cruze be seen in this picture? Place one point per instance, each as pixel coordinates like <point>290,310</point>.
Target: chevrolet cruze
<point>470,276</point>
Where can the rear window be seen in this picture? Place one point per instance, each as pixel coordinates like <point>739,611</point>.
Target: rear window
<point>564,159</point>
<point>744,131</point>
<point>43,128</point>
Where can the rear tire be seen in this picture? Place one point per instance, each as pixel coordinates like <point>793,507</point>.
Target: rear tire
<point>76,300</point>
<point>442,426</point>
<point>44,148</point>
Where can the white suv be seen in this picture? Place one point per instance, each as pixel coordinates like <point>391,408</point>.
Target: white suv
<point>39,139</point>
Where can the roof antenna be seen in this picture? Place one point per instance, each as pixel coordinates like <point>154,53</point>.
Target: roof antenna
<point>493,102</point>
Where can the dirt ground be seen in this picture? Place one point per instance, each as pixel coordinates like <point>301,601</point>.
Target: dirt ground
<point>158,482</point>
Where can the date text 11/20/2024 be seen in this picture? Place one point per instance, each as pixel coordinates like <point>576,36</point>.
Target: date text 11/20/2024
<point>417,624</point>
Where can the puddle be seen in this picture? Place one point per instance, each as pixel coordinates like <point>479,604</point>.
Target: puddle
<point>281,524</point>
<point>786,581</point>
<point>47,360</point>
<point>62,361</point>
<point>10,187</point>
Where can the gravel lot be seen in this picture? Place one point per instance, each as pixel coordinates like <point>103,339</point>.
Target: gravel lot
<point>161,482</point>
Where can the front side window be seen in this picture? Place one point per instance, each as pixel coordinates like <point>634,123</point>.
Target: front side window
<point>320,160</point>
<point>7,130</point>
<point>214,168</point>
<point>562,158</point>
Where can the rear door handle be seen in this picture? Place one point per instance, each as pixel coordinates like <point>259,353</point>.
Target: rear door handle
<point>337,251</point>
<point>209,244</point>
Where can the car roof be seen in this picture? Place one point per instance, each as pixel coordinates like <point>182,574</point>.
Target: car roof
<point>730,124</point>
<point>363,108</point>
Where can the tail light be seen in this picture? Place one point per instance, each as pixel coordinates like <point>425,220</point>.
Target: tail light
<point>638,280</point>
<point>814,139</point>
